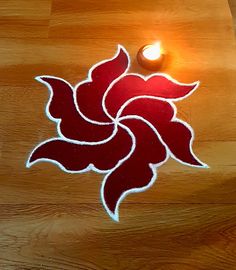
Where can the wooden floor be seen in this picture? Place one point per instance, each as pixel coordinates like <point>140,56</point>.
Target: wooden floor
<point>53,220</point>
<point>232,5</point>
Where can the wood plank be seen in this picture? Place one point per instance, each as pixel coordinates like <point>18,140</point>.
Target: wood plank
<point>23,18</point>
<point>232,4</point>
<point>199,110</point>
<point>72,58</point>
<point>209,114</point>
<point>52,220</point>
<point>189,237</point>
<point>46,183</point>
<point>145,19</point>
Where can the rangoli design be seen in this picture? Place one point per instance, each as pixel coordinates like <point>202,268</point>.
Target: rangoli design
<point>120,124</point>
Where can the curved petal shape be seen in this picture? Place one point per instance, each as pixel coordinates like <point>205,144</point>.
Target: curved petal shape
<point>138,172</point>
<point>61,109</point>
<point>157,85</point>
<point>72,157</point>
<point>175,134</point>
<point>89,93</point>
<point>121,124</point>
<point>178,136</point>
<point>151,108</point>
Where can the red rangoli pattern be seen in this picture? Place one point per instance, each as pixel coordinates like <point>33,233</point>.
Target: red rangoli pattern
<point>120,124</point>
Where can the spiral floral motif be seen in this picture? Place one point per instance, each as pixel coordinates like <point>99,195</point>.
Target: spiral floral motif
<point>117,123</point>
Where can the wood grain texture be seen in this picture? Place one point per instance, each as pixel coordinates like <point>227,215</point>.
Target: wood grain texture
<point>232,4</point>
<point>23,18</point>
<point>143,19</point>
<point>151,237</point>
<point>53,220</point>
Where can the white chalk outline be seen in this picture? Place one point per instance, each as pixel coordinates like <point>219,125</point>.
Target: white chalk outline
<point>89,79</point>
<point>74,90</point>
<point>153,166</point>
<point>90,166</point>
<point>58,120</point>
<point>173,119</point>
<point>116,122</point>
<point>168,100</point>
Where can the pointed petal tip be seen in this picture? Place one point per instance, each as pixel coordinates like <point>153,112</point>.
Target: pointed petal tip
<point>113,214</point>
<point>122,49</point>
<point>200,165</point>
<point>115,217</point>
<point>28,164</point>
<point>39,78</point>
<point>42,79</point>
<point>196,84</point>
<point>205,166</point>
